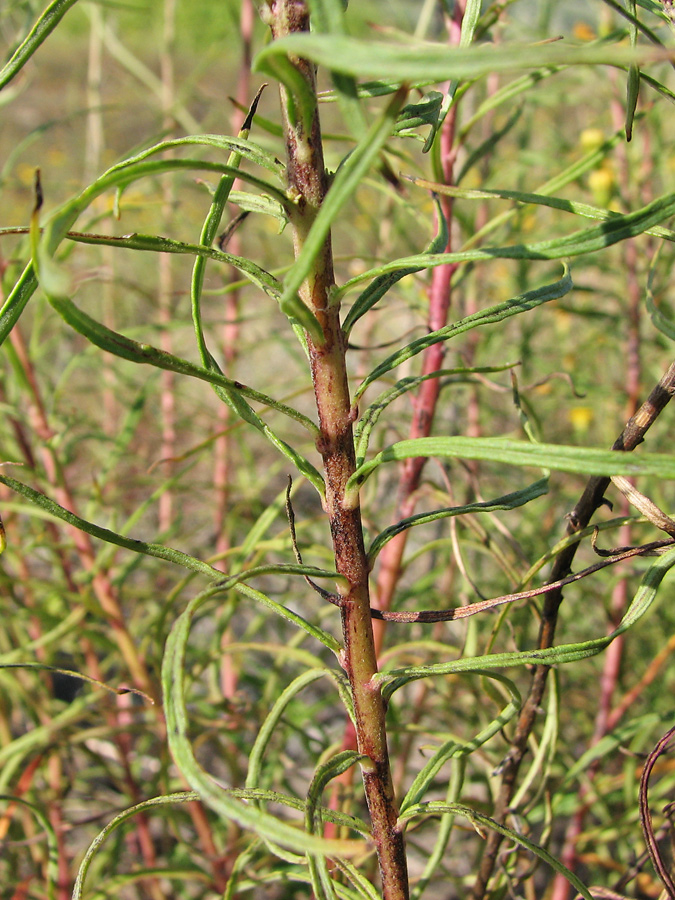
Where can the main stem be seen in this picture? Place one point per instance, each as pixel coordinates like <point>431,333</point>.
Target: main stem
<point>308,185</point>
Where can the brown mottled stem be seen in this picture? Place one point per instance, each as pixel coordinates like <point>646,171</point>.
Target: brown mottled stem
<point>592,498</point>
<point>426,399</point>
<point>308,186</point>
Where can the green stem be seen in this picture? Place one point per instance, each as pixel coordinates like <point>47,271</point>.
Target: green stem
<point>308,186</point>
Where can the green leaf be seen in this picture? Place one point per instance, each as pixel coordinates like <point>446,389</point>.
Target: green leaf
<point>468,30</point>
<point>372,414</point>
<point>480,821</point>
<point>328,815</point>
<point>382,284</point>
<point>520,304</point>
<point>218,799</point>
<point>177,557</point>
<point>156,244</point>
<point>586,163</point>
<point>572,206</point>
<point>88,858</point>
<point>259,203</point>
<point>560,457</point>
<point>268,728</point>
<point>633,81</point>
<point>347,180</point>
<point>44,26</point>
<point>128,171</point>
<point>327,17</point>
<point>124,347</point>
<point>508,501</point>
<point>312,630</point>
<point>437,62</point>
<point>551,656</point>
<point>324,888</point>
<point>240,146</point>
<point>450,749</point>
<point>16,301</point>
<point>615,229</point>
<point>104,534</point>
<point>416,115</point>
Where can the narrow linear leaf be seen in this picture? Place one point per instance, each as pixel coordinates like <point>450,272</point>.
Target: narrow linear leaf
<point>16,301</point>
<point>630,15</point>
<point>417,115</point>
<point>522,303</point>
<point>328,17</point>
<point>181,559</point>
<point>239,145</point>
<point>383,283</point>
<point>229,808</point>
<point>124,347</point>
<point>92,849</point>
<point>560,457</point>
<point>44,26</point>
<point>508,501</point>
<point>536,778</point>
<point>328,815</point>
<point>615,229</point>
<point>285,652</point>
<point>267,729</point>
<point>207,236</point>
<point>572,206</point>
<point>283,612</point>
<point>365,889</point>
<point>584,164</point>
<point>157,244</point>
<point>127,172</point>
<point>438,807</point>
<point>347,179</point>
<point>451,749</point>
<point>470,19</point>
<point>259,203</point>
<point>323,774</point>
<point>438,62</point>
<point>633,80</point>
<point>80,676</point>
<point>104,534</point>
<point>372,414</point>
<point>564,653</point>
<point>318,869</point>
<point>300,99</point>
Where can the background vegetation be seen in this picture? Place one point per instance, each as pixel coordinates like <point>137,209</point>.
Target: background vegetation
<point>154,456</point>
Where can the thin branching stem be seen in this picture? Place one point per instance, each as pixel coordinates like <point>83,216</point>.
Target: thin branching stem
<point>591,499</point>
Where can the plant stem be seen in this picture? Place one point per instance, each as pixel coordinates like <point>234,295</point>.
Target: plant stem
<point>308,183</point>
<point>591,499</point>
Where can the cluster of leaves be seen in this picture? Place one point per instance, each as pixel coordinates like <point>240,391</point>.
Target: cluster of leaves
<point>230,675</point>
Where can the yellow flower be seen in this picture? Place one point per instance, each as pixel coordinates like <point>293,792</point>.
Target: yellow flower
<point>582,31</point>
<point>601,182</point>
<point>580,417</point>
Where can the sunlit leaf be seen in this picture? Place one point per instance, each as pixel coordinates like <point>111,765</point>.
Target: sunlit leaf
<point>559,457</point>
<point>405,62</point>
